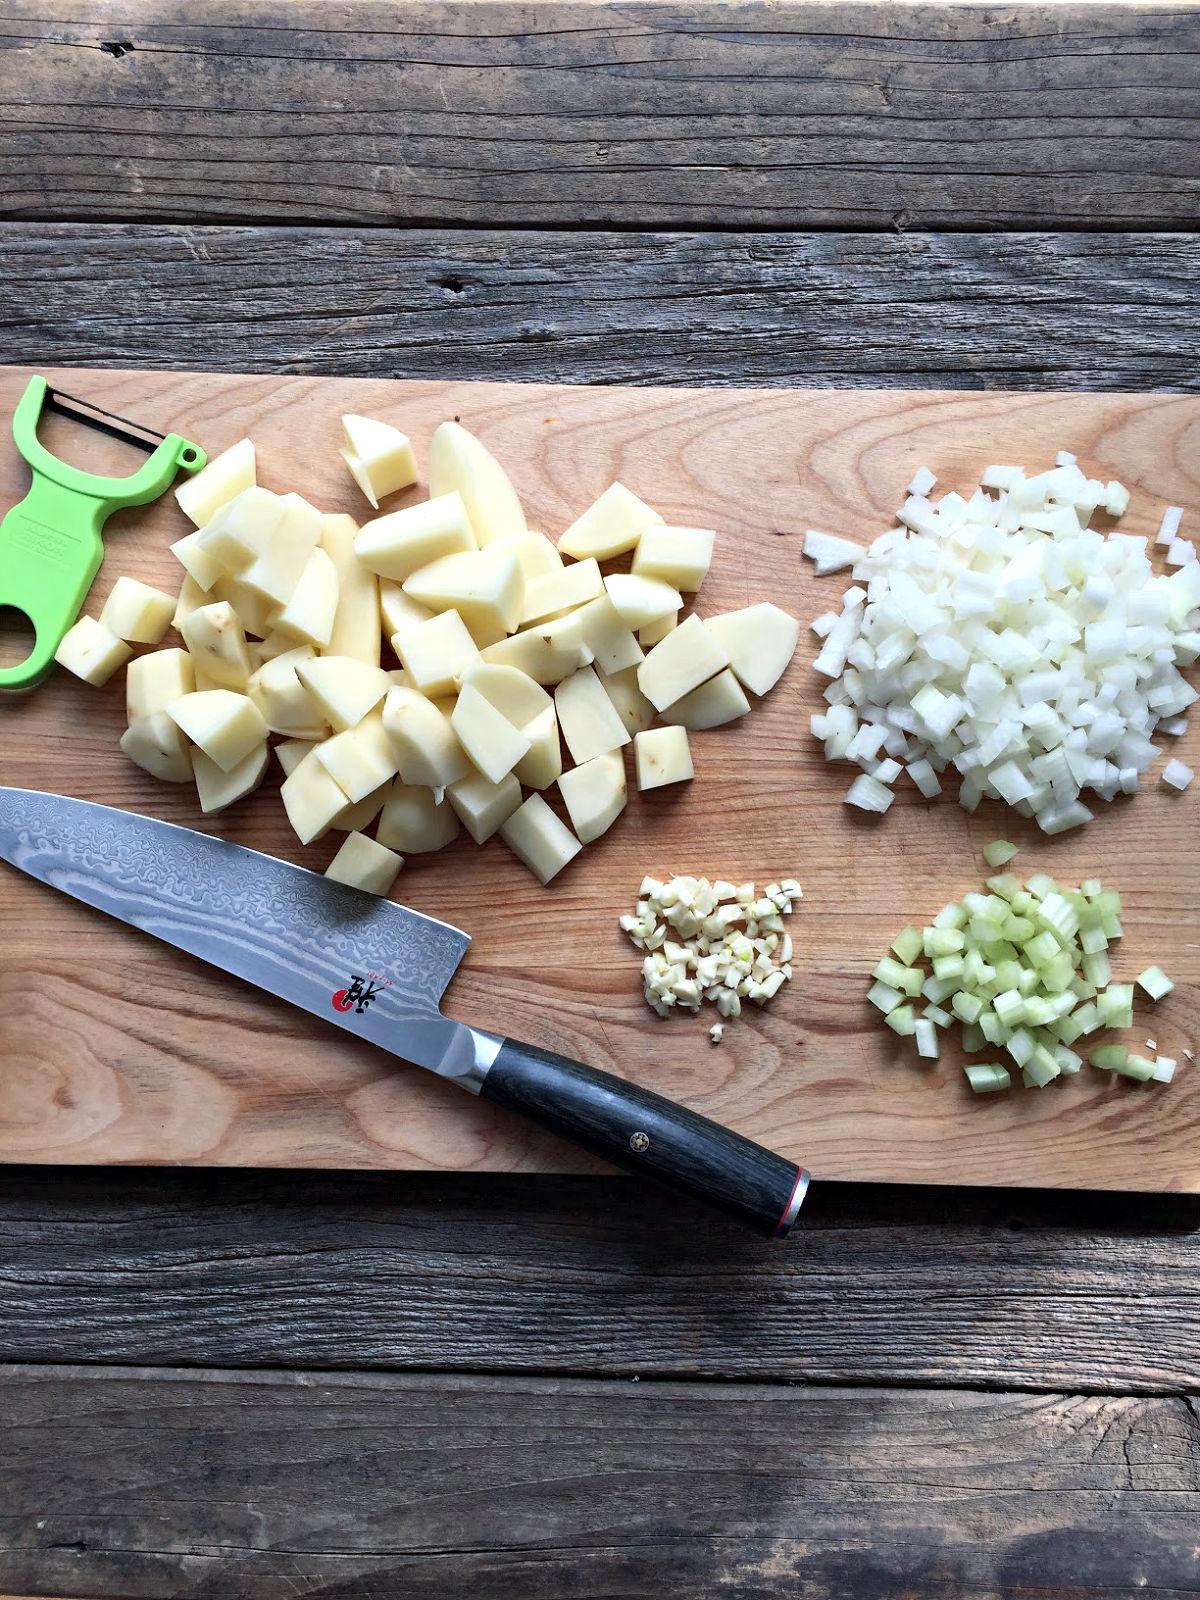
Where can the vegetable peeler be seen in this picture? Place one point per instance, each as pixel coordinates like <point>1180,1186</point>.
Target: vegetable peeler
<point>50,544</point>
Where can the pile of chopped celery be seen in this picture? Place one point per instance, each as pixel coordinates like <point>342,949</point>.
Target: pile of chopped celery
<point>1024,969</point>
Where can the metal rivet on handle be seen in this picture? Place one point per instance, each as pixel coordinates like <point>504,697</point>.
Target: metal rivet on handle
<point>639,1141</point>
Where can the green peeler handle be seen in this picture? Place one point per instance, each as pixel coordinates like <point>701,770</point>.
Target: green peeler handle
<point>51,545</point>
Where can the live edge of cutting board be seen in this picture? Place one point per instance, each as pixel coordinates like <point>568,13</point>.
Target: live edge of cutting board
<point>114,1048</point>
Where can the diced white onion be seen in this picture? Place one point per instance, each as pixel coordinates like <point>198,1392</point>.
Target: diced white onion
<point>1177,775</point>
<point>830,552</point>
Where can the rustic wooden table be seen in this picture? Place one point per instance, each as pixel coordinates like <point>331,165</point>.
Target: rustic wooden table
<point>235,1384</point>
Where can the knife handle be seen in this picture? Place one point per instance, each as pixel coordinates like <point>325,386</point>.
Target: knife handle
<point>648,1135</point>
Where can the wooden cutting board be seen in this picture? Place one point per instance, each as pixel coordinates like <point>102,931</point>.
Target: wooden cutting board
<point>114,1048</point>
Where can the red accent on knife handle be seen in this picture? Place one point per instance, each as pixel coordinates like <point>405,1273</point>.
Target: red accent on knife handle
<point>646,1134</point>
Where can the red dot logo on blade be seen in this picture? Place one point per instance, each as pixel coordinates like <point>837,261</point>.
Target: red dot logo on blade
<point>342,1001</point>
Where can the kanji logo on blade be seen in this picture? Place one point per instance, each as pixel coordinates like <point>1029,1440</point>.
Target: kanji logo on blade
<point>359,994</point>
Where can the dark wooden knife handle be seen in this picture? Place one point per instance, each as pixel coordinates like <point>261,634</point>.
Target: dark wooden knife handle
<point>648,1135</point>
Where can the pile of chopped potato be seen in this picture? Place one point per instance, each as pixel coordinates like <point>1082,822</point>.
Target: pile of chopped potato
<point>508,647</point>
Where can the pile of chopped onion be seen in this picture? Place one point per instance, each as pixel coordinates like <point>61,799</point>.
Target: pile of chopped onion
<point>1025,970</point>
<point>712,941</point>
<point>1005,637</point>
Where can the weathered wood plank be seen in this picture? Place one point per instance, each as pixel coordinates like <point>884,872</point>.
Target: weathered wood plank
<point>403,1271</point>
<point>630,114</point>
<point>165,1484</point>
<point>969,311</point>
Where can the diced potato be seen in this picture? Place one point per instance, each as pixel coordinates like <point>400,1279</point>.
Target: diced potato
<point>539,839</point>
<point>241,530</point>
<point>365,864</point>
<point>225,476</point>
<point>276,572</point>
<point>678,556</point>
<point>312,800</point>
<point>273,644</point>
<point>426,747</point>
<point>536,555</point>
<point>459,461</point>
<point>199,562</point>
<point>286,704</point>
<point>437,653</point>
<point>589,721</point>
<point>486,587</point>
<point>399,614</point>
<point>556,592</point>
<point>608,636</point>
<point>225,725</point>
<point>641,601</point>
<point>291,753</point>
<point>594,794</point>
<point>218,789</point>
<point>216,643</point>
<point>542,765</point>
<point>611,525</point>
<point>513,694</point>
<point>91,652</point>
<point>548,652</point>
<point>191,598</point>
<point>714,703</point>
<point>254,611</point>
<point>380,457</point>
<point>483,805</point>
<point>396,545</point>
<point>630,704</point>
<point>662,756</point>
<point>359,817</point>
<point>759,642</point>
<point>309,613</point>
<point>356,625</point>
<point>360,759</point>
<point>683,661</point>
<point>155,744</point>
<point>655,632</point>
<point>415,821</point>
<point>137,613</point>
<point>153,681</point>
<point>487,736</point>
<point>343,688</point>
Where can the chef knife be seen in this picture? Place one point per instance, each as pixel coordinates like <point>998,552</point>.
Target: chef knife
<point>378,970</point>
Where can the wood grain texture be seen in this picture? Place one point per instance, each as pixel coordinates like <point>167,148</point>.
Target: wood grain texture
<point>166,1484</point>
<point>624,114</point>
<point>122,1050</point>
<point>848,310</point>
<point>492,1273</point>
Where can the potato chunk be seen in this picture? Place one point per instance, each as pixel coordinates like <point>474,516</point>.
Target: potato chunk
<point>216,642</point>
<point>539,839</point>
<point>137,613</point>
<point>438,653</point>
<point>641,601</point>
<point>218,789</point>
<point>365,864</point>
<point>483,805</point>
<point>759,641</point>
<point>594,794</point>
<point>683,661</point>
<point>714,703</point>
<point>678,556</point>
<point>662,756</point>
<point>356,626</point>
<point>486,587</point>
<point>201,496</point>
<point>415,821</point>
<point>153,681</point>
<point>343,688</point>
<point>396,545</point>
<point>380,457</point>
<point>548,652</point>
<point>287,706</point>
<point>562,591</point>
<point>155,743</point>
<point>312,607</point>
<point>487,736</point>
<point>312,800</point>
<point>589,721</point>
<point>459,461</point>
<point>611,525</point>
<point>360,759</point>
<point>426,746</point>
<point>225,725</point>
<point>91,652</point>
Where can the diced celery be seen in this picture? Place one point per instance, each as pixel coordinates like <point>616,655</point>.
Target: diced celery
<point>1092,941</point>
<point>973,1037</point>
<point>987,1077</point>
<point>1008,975</point>
<point>911,981</point>
<point>951,916</point>
<point>890,971</point>
<point>993,1030</point>
<point>1081,988</point>
<point>1005,887</point>
<point>1010,1008</point>
<point>1056,975</point>
<point>938,989</point>
<point>1028,981</point>
<point>1038,1012</point>
<point>1068,1062</point>
<point>1087,1016</point>
<point>1116,1005</point>
<point>1021,1046</point>
<point>1097,968</point>
<point>1041,948</point>
<point>1057,912</point>
<point>948,967</point>
<point>965,1006</point>
<point>902,1021</point>
<point>1066,1029</point>
<point>983,930</point>
<point>1040,1069</point>
<point>884,997</point>
<point>1139,1067</point>
<point>1023,903</point>
<point>926,1038</point>
<point>1109,1057</point>
<point>943,941</point>
<point>907,945</point>
<point>1018,929</point>
<point>940,1018</point>
<point>1091,887</point>
<point>1155,982</point>
<point>998,852</point>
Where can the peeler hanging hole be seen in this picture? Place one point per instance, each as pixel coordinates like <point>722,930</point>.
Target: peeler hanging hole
<point>188,457</point>
<point>17,636</point>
